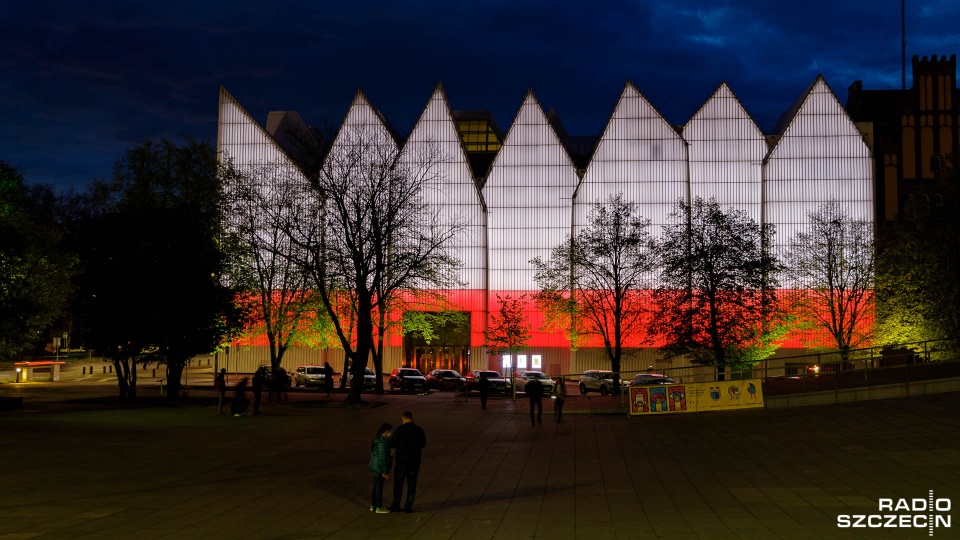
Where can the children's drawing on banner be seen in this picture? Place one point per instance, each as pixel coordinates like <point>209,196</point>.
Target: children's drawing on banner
<point>694,397</point>
<point>678,398</point>
<point>658,399</point>
<point>640,400</point>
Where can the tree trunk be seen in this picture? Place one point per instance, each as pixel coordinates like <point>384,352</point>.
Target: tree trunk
<point>174,373</point>
<point>122,383</point>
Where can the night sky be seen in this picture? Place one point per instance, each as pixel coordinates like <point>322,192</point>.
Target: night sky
<point>84,81</point>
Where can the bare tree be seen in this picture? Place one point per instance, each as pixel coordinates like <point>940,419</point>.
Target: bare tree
<point>830,266</point>
<point>716,300</point>
<point>599,278</point>
<point>371,242</point>
<point>275,289</point>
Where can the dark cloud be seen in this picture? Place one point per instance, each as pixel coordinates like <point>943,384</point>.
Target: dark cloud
<point>83,81</point>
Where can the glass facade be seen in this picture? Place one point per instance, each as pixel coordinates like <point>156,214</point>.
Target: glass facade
<point>726,154</point>
<point>533,196</point>
<point>529,196</point>
<point>818,156</point>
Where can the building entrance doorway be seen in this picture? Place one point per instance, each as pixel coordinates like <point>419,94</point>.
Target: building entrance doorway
<point>427,359</point>
<point>449,347</point>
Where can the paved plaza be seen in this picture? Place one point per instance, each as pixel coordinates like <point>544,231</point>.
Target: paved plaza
<point>78,465</point>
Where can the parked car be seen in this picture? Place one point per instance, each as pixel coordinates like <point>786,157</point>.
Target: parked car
<point>269,374</point>
<point>308,376</point>
<point>498,383</point>
<point>643,379</point>
<point>596,380</point>
<point>369,379</point>
<point>445,379</point>
<point>525,376</point>
<point>408,379</point>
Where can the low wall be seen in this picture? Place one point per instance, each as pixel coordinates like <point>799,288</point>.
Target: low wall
<point>886,391</point>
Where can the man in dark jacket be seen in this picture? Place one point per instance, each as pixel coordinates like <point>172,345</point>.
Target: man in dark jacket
<point>534,390</point>
<point>327,378</point>
<point>408,440</point>
<point>483,385</point>
<point>259,378</point>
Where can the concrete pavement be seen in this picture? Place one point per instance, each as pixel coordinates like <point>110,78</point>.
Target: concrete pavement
<point>78,466</point>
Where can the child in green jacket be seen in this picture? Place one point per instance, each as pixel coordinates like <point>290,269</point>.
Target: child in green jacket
<point>380,465</point>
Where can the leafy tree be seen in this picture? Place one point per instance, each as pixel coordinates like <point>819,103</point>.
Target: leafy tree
<point>509,331</point>
<point>275,290</point>
<point>35,269</point>
<point>151,288</point>
<point>918,269</point>
<point>716,300</point>
<point>378,245</point>
<point>599,278</point>
<point>830,267</point>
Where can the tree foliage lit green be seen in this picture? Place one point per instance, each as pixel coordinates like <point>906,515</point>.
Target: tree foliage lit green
<point>35,269</point>
<point>918,268</point>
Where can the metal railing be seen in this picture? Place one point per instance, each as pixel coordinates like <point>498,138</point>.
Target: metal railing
<point>828,370</point>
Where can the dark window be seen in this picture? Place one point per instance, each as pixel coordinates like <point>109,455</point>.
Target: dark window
<point>936,163</point>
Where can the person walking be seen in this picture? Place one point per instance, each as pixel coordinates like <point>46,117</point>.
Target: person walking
<point>534,390</point>
<point>259,378</point>
<point>380,465</point>
<point>408,440</point>
<point>327,378</point>
<point>277,385</point>
<point>220,385</point>
<point>483,385</point>
<point>559,396</point>
<point>240,402</point>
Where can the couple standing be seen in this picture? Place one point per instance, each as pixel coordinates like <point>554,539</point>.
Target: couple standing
<point>407,441</point>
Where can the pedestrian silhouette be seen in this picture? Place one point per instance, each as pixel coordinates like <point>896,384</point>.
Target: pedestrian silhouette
<point>259,378</point>
<point>483,385</point>
<point>534,390</point>
<point>408,440</point>
<point>559,396</point>
<point>220,385</point>
<point>240,401</point>
<point>380,465</point>
<point>327,378</point>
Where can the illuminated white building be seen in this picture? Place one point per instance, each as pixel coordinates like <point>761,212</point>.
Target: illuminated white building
<point>536,190</point>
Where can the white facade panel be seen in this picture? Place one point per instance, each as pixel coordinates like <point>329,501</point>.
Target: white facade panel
<point>362,127</point>
<point>526,207</point>
<point>820,156</point>
<point>528,195</point>
<point>726,154</point>
<point>254,153</point>
<point>639,155</point>
<point>452,189</point>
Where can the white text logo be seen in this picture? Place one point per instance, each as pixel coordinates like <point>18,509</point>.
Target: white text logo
<point>929,513</point>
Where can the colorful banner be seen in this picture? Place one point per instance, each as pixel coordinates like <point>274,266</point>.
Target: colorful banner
<point>678,398</point>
